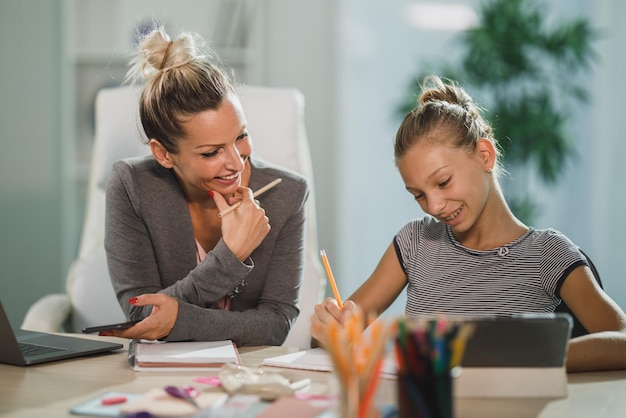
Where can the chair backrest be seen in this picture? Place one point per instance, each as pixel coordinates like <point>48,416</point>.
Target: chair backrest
<point>276,122</point>
<point>578,329</point>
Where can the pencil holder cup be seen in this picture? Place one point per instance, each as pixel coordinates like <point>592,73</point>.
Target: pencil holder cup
<point>425,398</point>
<point>428,353</point>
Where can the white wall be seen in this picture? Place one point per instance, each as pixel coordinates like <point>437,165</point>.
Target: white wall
<point>302,52</point>
<point>380,55</point>
<point>30,206</point>
<point>587,205</point>
<point>587,201</point>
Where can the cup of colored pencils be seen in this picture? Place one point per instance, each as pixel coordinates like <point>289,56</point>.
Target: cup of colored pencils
<point>358,358</point>
<point>428,353</point>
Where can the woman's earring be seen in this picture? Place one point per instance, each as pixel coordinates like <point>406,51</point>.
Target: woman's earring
<point>489,170</point>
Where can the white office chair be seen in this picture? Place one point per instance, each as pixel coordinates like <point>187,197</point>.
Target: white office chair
<point>276,123</point>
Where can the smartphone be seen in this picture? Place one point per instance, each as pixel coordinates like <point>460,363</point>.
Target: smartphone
<point>121,325</point>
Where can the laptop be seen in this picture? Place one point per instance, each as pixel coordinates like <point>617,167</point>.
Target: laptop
<point>25,348</point>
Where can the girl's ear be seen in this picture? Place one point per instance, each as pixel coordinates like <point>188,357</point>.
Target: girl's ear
<point>162,155</point>
<point>487,153</point>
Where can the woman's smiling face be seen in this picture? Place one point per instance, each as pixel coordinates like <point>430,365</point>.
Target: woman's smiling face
<point>213,153</point>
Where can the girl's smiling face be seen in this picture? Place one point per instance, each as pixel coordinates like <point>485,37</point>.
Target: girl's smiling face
<point>449,183</point>
<point>213,153</point>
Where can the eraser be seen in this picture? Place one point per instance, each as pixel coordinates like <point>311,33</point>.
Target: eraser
<point>113,400</point>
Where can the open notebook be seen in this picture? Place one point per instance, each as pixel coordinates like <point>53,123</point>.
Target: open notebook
<point>24,348</point>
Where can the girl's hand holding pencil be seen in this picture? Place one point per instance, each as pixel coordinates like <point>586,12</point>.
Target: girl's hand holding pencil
<point>331,311</point>
<point>356,355</point>
<point>327,313</point>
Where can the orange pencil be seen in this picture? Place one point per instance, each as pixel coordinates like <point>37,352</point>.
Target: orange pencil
<point>331,279</point>
<point>338,354</point>
<point>370,391</point>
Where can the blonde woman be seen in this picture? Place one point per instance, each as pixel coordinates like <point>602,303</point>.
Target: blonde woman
<point>192,274</point>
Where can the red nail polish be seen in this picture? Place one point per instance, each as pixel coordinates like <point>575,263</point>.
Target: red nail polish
<point>132,301</point>
<point>211,193</point>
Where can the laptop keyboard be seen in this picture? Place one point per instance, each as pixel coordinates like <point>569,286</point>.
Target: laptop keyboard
<point>36,349</point>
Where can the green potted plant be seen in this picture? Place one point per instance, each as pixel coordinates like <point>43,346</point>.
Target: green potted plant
<point>527,76</point>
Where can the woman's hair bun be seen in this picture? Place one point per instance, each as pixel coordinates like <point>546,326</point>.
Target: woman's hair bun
<point>159,54</point>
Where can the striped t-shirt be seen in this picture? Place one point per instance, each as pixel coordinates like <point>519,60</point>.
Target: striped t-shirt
<point>445,277</point>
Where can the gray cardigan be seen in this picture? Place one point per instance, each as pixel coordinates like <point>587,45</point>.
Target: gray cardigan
<point>151,248</point>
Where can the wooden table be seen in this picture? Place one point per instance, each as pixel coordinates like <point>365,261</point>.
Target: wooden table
<point>51,390</point>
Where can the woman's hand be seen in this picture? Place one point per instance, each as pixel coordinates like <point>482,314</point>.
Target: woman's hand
<point>244,228</point>
<point>158,325</point>
<point>326,313</point>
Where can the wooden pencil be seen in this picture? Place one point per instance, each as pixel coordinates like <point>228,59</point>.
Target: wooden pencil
<point>331,279</point>
<point>255,194</point>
